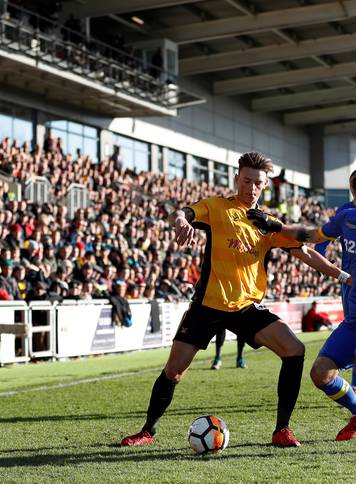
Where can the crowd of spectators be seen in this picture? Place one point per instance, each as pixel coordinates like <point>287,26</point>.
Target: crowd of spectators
<point>121,245</point>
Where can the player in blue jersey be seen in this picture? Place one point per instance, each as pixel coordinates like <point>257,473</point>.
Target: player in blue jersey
<point>339,349</point>
<point>321,248</point>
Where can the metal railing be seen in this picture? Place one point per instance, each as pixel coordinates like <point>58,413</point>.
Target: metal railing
<point>37,189</point>
<point>77,197</point>
<point>23,31</point>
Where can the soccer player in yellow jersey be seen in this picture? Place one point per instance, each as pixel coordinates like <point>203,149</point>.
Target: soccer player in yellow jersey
<point>232,284</point>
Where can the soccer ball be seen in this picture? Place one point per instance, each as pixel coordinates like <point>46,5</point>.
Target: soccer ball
<point>208,435</point>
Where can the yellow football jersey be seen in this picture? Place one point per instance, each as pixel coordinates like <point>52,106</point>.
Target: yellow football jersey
<point>233,273</point>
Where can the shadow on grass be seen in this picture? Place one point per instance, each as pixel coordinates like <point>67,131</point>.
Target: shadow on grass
<point>263,407</point>
<point>56,418</point>
<point>126,455</point>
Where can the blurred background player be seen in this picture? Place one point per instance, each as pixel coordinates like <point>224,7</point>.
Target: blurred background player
<point>219,343</point>
<point>313,320</point>
<point>338,352</point>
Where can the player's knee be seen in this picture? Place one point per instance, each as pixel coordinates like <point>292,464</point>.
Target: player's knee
<point>174,375</point>
<point>321,375</point>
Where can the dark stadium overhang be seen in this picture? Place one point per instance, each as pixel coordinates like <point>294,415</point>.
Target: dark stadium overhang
<point>21,72</point>
<point>292,57</point>
<point>18,71</point>
<point>99,79</point>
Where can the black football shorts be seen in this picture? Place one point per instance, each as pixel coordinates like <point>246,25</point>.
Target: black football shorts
<point>200,324</point>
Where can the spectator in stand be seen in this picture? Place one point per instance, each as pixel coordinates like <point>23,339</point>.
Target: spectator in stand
<point>86,272</point>
<point>116,158</point>
<point>87,289</point>
<point>7,282</point>
<point>121,309</point>
<point>168,291</point>
<point>49,144</point>
<point>15,237</point>
<point>49,257</point>
<point>278,184</point>
<point>133,291</point>
<point>16,256</point>
<point>64,253</point>
<point>108,276</point>
<point>38,292</point>
<point>19,274</point>
<point>74,290</point>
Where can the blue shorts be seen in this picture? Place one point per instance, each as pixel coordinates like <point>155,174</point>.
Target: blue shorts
<point>340,346</point>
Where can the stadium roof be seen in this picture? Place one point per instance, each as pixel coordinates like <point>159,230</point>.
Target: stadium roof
<point>296,57</point>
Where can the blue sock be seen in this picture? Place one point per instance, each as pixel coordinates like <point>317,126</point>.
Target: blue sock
<point>353,381</point>
<point>341,392</point>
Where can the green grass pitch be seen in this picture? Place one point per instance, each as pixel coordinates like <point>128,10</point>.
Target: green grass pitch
<point>62,422</point>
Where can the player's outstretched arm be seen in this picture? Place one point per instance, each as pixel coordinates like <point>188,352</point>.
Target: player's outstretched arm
<point>297,232</point>
<point>313,259</point>
<point>181,220</point>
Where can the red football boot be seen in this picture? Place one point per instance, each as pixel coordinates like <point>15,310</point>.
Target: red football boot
<point>284,438</point>
<point>142,438</point>
<point>348,432</point>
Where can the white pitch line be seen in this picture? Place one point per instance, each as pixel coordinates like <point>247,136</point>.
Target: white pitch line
<point>56,386</point>
<point>43,388</point>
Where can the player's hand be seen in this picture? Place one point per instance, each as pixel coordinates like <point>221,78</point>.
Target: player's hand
<point>263,221</point>
<point>184,232</point>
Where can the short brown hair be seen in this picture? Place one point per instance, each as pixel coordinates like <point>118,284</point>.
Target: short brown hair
<point>253,159</point>
<point>352,181</point>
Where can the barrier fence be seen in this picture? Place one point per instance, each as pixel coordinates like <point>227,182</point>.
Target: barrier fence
<point>43,329</point>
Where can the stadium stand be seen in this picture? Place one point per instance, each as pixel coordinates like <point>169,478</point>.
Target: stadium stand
<point>123,236</point>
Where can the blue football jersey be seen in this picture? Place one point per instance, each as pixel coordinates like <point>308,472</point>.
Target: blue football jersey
<point>321,248</point>
<point>343,225</point>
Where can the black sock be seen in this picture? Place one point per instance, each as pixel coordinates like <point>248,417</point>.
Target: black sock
<point>219,342</point>
<point>288,388</point>
<point>161,397</point>
<point>240,347</point>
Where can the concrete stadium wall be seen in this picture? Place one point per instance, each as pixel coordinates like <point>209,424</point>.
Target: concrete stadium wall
<point>228,122</point>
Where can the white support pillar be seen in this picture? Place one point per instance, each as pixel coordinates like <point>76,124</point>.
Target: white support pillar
<point>106,144</point>
<point>165,160</point>
<point>154,158</point>
<point>232,173</point>
<point>189,167</point>
<point>40,134</point>
<point>211,172</point>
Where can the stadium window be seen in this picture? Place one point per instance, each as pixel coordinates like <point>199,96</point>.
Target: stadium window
<point>16,123</point>
<point>221,174</point>
<point>22,130</point>
<point>75,136</point>
<point>176,164</point>
<point>75,128</point>
<point>5,126</point>
<point>200,169</point>
<point>135,154</point>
